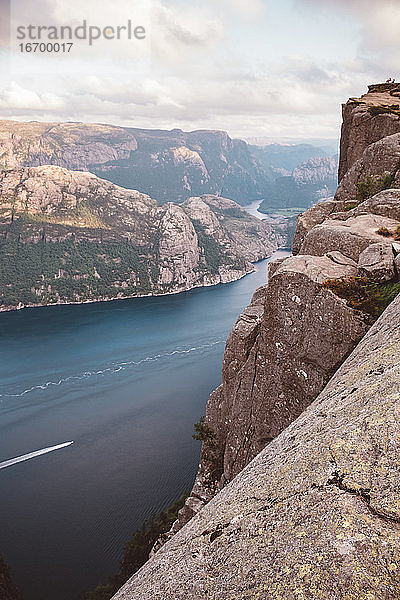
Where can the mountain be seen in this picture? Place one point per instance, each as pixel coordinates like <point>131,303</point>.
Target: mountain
<point>310,181</point>
<point>284,158</point>
<point>167,165</point>
<point>297,491</point>
<point>68,236</point>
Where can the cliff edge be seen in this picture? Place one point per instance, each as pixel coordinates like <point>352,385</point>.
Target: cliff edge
<point>316,514</point>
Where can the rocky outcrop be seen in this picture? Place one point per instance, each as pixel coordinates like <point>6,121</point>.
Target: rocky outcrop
<point>367,120</point>
<point>351,237</point>
<point>376,262</point>
<point>68,236</point>
<point>317,513</point>
<point>313,216</point>
<point>380,162</point>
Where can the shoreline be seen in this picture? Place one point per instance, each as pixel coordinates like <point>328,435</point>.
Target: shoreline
<point>7,309</point>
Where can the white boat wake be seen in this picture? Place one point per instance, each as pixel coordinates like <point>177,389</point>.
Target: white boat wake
<point>115,368</point>
<point>18,459</point>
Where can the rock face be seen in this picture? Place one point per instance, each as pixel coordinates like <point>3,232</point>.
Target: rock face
<point>317,513</point>
<point>296,332</point>
<point>364,123</point>
<point>376,262</point>
<point>380,160</point>
<point>74,146</point>
<point>68,236</point>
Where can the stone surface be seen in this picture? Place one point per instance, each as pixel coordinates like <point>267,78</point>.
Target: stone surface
<point>278,357</point>
<point>380,158</point>
<point>316,515</point>
<point>377,262</point>
<point>313,216</point>
<point>386,204</point>
<point>349,237</point>
<point>360,128</point>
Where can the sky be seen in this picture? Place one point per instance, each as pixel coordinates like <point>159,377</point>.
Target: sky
<point>256,68</point>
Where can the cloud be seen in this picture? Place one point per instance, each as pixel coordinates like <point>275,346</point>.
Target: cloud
<point>247,9</point>
<point>379,22</point>
<point>208,68</point>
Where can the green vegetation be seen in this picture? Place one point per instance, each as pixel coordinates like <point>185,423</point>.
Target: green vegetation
<point>137,551</point>
<point>371,185</point>
<point>362,293</point>
<point>69,271</point>
<point>202,431</point>
<point>212,454</point>
<point>214,254</point>
<point>384,231</point>
<point>284,212</point>
<point>350,206</point>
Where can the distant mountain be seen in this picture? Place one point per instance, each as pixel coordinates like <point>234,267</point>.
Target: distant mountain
<point>328,145</point>
<point>167,165</point>
<point>309,182</point>
<point>279,157</point>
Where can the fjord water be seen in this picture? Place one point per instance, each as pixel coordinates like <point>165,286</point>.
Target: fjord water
<point>125,381</point>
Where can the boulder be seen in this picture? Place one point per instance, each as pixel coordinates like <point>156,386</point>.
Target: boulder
<point>350,237</point>
<point>311,217</point>
<point>378,159</point>
<point>377,262</point>
<point>386,204</point>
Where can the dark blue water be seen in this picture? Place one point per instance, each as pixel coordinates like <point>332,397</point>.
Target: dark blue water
<point>125,381</point>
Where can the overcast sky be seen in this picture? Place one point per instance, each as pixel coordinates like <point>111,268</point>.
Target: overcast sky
<point>274,68</point>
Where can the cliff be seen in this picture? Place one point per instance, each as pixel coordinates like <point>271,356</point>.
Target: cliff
<point>315,513</point>
<point>68,236</point>
<point>297,331</point>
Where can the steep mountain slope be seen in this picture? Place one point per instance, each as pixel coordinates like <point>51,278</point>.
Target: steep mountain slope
<point>68,236</point>
<point>167,165</point>
<point>366,120</point>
